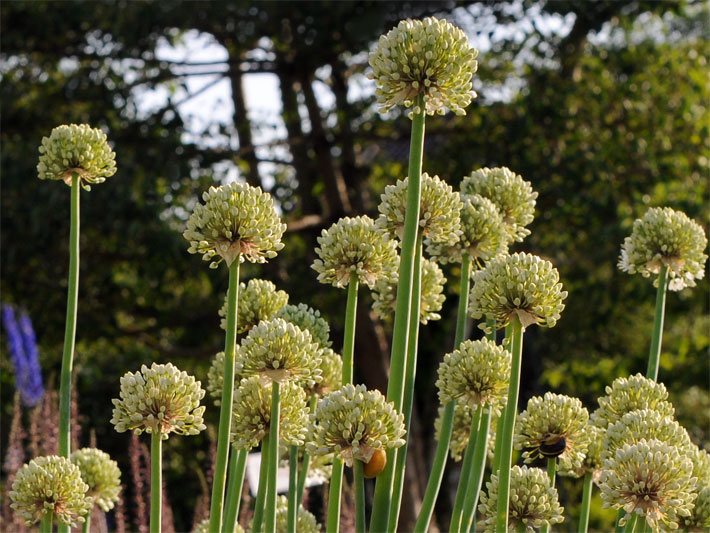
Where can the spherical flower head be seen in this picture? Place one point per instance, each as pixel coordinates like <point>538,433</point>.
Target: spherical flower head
<point>513,196</point>
<point>439,210</point>
<point>699,520</point>
<point>593,458</point>
<point>251,413</point>
<point>431,58</point>
<point>533,501</point>
<point>236,220</point>
<point>628,394</point>
<point>552,426</point>
<point>665,237</point>
<point>305,522</point>
<point>355,247</point>
<point>258,300</point>
<point>482,234</point>
<point>331,371</point>
<point>432,294</point>
<point>353,422</point>
<point>651,479</point>
<point>50,485</point>
<point>215,377</point>
<point>277,350</point>
<point>460,430</point>
<point>76,149</point>
<point>160,398</point>
<point>476,373</point>
<point>307,319</point>
<point>521,285</point>
<point>204,527</point>
<point>101,474</point>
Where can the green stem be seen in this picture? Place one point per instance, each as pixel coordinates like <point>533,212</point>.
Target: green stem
<point>359,479</point>
<point>586,500</point>
<point>619,515</point>
<point>654,355</point>
<point>349,334</point>
<point>70,323</point>
<point>45,526</point>
<point>225,411</point>
<point>501,419</point>
<point>475,480</point>
<point>86,528</point>
<point>466,466</point>
<point>631,524</point>
<point>263,486</point>
<point>237,469</point>
<point>511,409</point>
<point>398,357</point>
<point>156,482</point>
<point>274,439</point>
<point>551,472</point>
<point>292,489</point>
<point>303,473</point>
<point>336,482</point>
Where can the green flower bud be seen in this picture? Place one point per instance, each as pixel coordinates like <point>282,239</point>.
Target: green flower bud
<point>215,377</point>
<point>519,284</point>
<point>237,220</point>
<point>533,501</point>
<point>553,426</point>
<point>432,294</point>
<point>258,300</point>
<point>251,414</point>
<point>76,149</point>
<point>476,373</point>
<point>305,522</point>
<point>101,474</point>
<point>353,422</point>
<point>308,319</point>
<point>630,394</point>
<point>513,196</point>
<point>331,368</point>
<point>428,57</point>
<point>439,210</point>
<point>664,237</point>
<point>277,350</point>
<point>160,398</point>
<point>50,485</point>
<point>651,479</point>
<point>355,246</point>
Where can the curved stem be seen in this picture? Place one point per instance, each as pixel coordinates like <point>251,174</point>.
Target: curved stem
<point>292,489</point>
<point>336,482</point>
<point>86,528</point>
<point>464,478</point>
<point>359,479</point>
<point>586,500</point>
<point>475,480</point>
<point>45,525</point>
<point>511,409</point>
<point>156,482</point>
<point>349,334</point>
<point>274,439</point>
<point>551,472</point>
<point>237,469</point>
<point>654,355</point>
<point>263,486</point>
<point>225,411</point>
<point>303,473</point>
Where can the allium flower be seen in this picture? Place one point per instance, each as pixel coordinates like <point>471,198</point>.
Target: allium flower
<point>553,426</point>
<point>308,319</point>
<point>251,414</point>
<point>353,422</point>
<point>512,195</point>
<point>460,431</point>
<point>331,368</point>
<point>651,479</point>
<point>519,284</point>
<point>215,377</point>
<point>593,458</point>
<point>476,373</point>
<point>482,236</point>
<point>533,501</point>
<point>428,57</point>
<point>76,149</point>
<point>204,527</point>
<point>101,474</point>
<point>355,246</point>
<point>277,350</point>
<point>664,237</point>
<point>439,211</point>
<point>699,520</point>
<point>258,300</point>
<point>629,394</point>
<point>47,485</point>
<point>305,522</point>
<point>160,398</point>
<point>237,220</point>
<point>432,294</point>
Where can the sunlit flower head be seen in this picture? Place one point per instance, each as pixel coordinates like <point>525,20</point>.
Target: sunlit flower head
<point>258,300</point>
<point>699,519</point>
<point>593,458</point>
<point>236,220</point>
<point>305,521</point>
<point>331,368</point>
<point>665,237</point>
<point>101,474</point>
<point>215,377</point>
<point>460,430</point>
<point>308,319</point>
<point>204,527</point>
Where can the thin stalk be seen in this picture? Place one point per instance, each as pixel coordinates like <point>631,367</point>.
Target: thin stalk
<point>631,524</point>
<point>586,500</point>
<point>654,355</point>
<point>303,473</point>
<point>70,324</point>
<point>395,387</point>
<point>237,469</point>
<point>466,466</point>
<point>551,472</point>
<point>359,479</point>
<point>263,486</point>
<point>447,419</point>
<point>270,513</point>
<point>501,419</point>
<point>86,527</point>
<point>511,409</point>
<point>475,480</point>
<point>349,334</point>
<point>618,528</point>
<point>336,482</point>
<point>292,489</point>
<point>225,412</point>
<point>156,482</point>
<point>45,526</point>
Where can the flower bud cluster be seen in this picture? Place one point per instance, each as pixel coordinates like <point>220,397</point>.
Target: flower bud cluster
<point>258,300</point>
<point>215,377</point>
<point>305,521</point>
<point>308,319</point>
<point>331,368</point>
<point>101,474</point>
<point>629,394</point>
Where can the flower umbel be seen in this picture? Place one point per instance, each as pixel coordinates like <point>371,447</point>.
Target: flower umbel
<point>331,367</point>
<point>305,521</point>
<point>629,394</point>
<point>101,474</point>
<point>308,319</point>
<point>460,432</point>
<point>258,300</point>
<point>215,377</point>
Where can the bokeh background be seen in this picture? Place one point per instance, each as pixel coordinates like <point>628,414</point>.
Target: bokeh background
<point>602,105</point>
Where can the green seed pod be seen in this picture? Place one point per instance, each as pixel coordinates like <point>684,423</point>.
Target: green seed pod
<point>258,300</point>
<point>308,319</point>
<point>101,474</point>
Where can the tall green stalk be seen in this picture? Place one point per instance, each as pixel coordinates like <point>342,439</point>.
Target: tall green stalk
<point>586,501</point>
<point>466,468</point>
<point>156,482</point>
<point>631,523</point>
<point>86,526</point>
<point>235,481</point>
<point>511,410</point>
<point>551,473</point>
<point>475,480</point>
<point>45,525</point>
<point>654,355</point>
<point>274,439</point>
<point>359,479</point>
<point>225,411</point>
<point>398,357</point>
<point>263,486</point>
<point>303,473</point>
<point>292,489</point>
<point>336,482</point>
